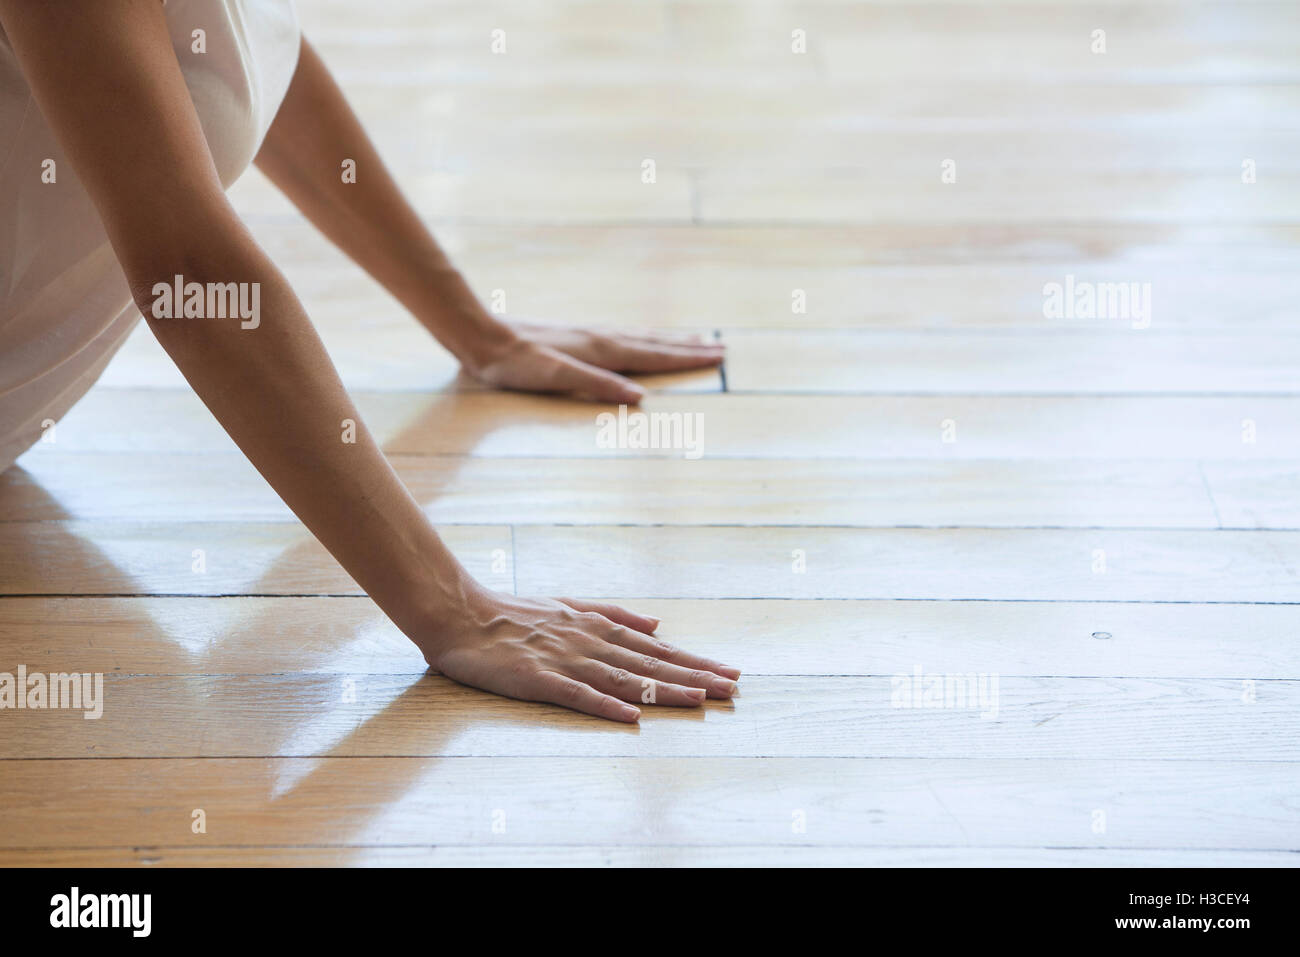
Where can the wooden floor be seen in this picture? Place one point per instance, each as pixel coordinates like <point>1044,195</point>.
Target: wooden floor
<point>1100,517</point>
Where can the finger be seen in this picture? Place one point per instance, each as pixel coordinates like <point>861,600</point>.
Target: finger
<point>658,648</point>
<point>584,381</point>
<point>649,666</point>
<point>563,690</point>
<point>641,640</point>
<point>624,355</point>
<point>629,686</point>
<point>622,352</point>
<point>615,613</point>
<point>671,338</point>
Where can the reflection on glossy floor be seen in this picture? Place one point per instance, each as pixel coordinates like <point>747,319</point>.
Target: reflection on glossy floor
<point>919,474</point>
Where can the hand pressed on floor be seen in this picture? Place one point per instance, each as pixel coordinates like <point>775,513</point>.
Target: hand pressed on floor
<point>587,364</point>
<point>590,656</point>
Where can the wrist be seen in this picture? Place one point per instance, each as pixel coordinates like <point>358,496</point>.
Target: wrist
<point>456,318</point>
<point>447,615</point>
<point>482,340</point>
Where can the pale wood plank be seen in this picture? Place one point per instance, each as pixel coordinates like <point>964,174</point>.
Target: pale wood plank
<point>910,275</point>
<point>1263,495</point>
<point>91,558</point>
<point>1012,41</point>
<point>984,196</point>
<point>970,563</point>
<point>426,127</point>
<point>1003,718</point>
<point>1009,145</point>
<point>745,426</point>
<point>831,195</point>
<point>804,106</point>
<point>351,636</point>
<point>487,855</point>
<point>655,801</point>
<point>459,489</point>
<point>129,558</point>
<point>1009,41</point>
<point>1063,361</point>
<point>677,291</point>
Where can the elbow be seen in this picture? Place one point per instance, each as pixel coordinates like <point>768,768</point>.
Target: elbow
<point>164,272</point>
<point>205,294</point>
<point>144,293</point>
<point>217,278</point>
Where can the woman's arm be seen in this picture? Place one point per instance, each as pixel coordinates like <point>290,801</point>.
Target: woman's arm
<point>369,219</point>
<point>106,80</point>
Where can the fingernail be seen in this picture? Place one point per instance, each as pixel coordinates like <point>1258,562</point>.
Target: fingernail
<point>723,687</point>
<point>730,672</point>
<point>696,694</point>
<point>630,713</point>
<point>654,622</point>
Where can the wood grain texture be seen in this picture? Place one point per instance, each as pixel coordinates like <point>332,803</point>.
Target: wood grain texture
<point>866,196</point>
<point>466,106</point>
<point>1125,360</point>
<point>628,855</point>
<point>203,558</point>
<point>746,426</point>
<point>584,801</point>
<point>906,462</point>
<point>926,711</point>
<point>967,563</point>
<point>120,558</point>
<point>223,486</point>
<point>915,276</point>
<point>351,636</point>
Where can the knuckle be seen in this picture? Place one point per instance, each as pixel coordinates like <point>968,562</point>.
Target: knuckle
<point>544,642</point>
<point>651,665</point>
<point>620,676</point>
<point>700,677</point>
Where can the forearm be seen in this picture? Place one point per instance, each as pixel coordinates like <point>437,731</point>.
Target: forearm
<point>313,133</point>
<point>276,393</point>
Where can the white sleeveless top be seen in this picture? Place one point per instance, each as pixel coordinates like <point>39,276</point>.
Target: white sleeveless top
<point>65,307</point>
